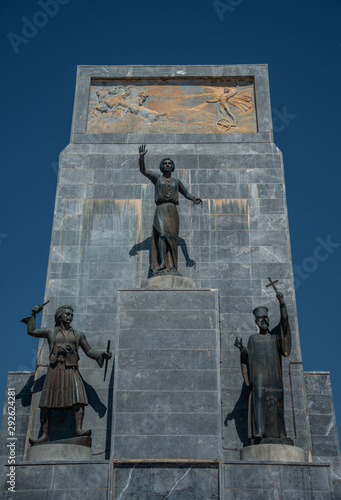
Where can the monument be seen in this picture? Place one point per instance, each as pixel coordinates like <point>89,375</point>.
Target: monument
<point>174,418</point>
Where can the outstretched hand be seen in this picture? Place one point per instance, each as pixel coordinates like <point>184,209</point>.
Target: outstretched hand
<point>239,343</point>
<point>107,355</point>
<point>197,201</point>
<point>37,309</point>
<point>142,150</point>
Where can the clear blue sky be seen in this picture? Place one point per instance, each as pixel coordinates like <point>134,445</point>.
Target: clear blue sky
<point>301,42</point>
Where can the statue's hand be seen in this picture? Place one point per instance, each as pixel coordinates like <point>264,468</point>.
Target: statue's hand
<point>197,201</point>
<point>239,343</point>
<point>280,297</point>
<point>143,151</point>
<point>107,355</point>
<point>37,309</point>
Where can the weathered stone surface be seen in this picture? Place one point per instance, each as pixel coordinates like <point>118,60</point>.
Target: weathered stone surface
<point>152,418</point>
<point>180,482</point>
<point>58,452</point>
<point>167,282</point>
<point>272,453</point>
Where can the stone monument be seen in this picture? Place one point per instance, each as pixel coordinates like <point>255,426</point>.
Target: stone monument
<point>171,418</point>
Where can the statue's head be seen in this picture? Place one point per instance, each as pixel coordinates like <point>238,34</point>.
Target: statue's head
<point>63,313</point>
<point>262,318</point>
<point>167,164</point>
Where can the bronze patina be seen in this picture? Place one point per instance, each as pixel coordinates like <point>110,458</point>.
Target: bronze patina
<point>261,363</point>
<point>166,218</point>
<point>63,387</point>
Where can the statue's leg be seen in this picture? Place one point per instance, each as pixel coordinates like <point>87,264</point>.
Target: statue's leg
<point>45,419</point>
<point>79,416</point>
<point>259,407</point>
<point>161,245</point>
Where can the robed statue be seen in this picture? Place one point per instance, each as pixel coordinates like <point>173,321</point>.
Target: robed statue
<point>261,363</point>
<point>164,252</point>
<point>63,388</point>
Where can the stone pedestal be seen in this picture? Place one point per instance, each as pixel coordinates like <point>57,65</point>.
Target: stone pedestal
<point>73,450</point>
<point>166,396</point>
<point>170,281</point>
<point>272,453</point>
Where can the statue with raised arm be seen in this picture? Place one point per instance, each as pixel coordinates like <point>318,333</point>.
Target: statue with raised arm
<point>63,387</point>
<point>166,217</point>
<point>261,363</point>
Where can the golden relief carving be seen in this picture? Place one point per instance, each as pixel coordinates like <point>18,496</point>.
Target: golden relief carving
<point>172,106</point>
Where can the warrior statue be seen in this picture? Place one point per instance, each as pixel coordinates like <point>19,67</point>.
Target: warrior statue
<point>63,387</point>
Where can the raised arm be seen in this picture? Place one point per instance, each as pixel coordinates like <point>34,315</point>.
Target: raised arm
<point>285,327</point>
<point>147,173</point>
<point>188,195</point>
<point>31,324</point>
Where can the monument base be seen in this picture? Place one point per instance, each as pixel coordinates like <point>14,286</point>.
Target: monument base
<point>74,449</point>
<point>168,281</point>
<point>272,453</point>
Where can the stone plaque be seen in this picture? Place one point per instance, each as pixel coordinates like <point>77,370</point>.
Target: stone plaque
<point>172,105</point>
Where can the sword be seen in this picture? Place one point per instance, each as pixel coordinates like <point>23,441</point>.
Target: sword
<point>106,361</point>
<point>27,319</point>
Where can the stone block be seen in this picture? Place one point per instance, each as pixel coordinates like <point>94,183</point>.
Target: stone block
<point>168,447</point>
<point>308,478</point>
<point>166,401</point>
<point>179,481</point>
<point>226,161</point>
<point>145,359</point>
<point>272,191</point>
<point>33,477</point>
<point>166,380</point>
<point>92,476</point>
<point>251,477</point>
<point>167,320</point>
<point>263,175</point>
<point>166,424</point>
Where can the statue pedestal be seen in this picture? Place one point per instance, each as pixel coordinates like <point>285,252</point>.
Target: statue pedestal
<point>167,375</point>
<point>75,449</point>
<point>168,282</point>
<point>272,453</point>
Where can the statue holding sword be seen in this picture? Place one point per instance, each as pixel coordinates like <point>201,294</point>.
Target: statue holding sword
<point>63,387</point>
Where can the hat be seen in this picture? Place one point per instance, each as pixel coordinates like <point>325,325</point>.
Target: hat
<point>260,311</point>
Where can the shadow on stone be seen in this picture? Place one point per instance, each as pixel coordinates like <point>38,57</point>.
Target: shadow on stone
<point>239,415</point>
<point>25,395</point>
<point>146,245</point>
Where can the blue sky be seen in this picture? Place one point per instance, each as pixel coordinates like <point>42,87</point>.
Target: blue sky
<point>300,41</point>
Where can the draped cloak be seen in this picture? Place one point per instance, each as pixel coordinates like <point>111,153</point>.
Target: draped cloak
<point>166,217</point>
<point>261,364</point>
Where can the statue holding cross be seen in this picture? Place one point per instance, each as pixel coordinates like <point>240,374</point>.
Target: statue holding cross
<point>261,363</point>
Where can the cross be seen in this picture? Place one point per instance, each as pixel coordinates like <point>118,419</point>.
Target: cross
<point>272,283</point>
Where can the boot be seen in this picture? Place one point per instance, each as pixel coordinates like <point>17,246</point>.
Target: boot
<point>79,415</point>
<point>45,419</point>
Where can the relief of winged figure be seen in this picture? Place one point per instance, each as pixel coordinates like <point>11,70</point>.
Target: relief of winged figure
<point>240,98</point>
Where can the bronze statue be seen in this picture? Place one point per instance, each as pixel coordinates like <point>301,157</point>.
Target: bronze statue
<point>166,217</point>
<point>63,387</point>
<point>261,365</point>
